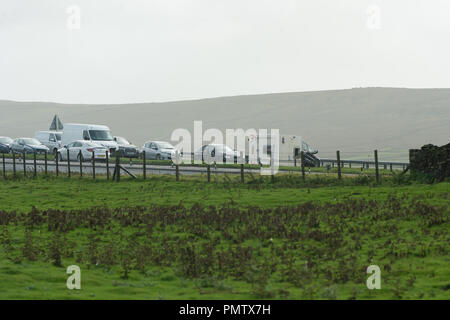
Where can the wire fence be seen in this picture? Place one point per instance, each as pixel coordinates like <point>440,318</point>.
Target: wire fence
<point>113,167</point>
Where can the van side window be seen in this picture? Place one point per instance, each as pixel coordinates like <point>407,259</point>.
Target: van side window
<point>52,138</point>
<point>86,135</point>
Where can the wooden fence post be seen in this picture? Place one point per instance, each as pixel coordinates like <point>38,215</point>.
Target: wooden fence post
<point>4,166</point>
<point>107,165</point>
<point>93,164</point>
<point>377,175</point>
<point>338,157</point>
<point>14,164</point>
<point>117,171</point>
<point>144,164</point>
<point>68,163</point>
<point>45,163</point>
<point>80,156</point>
<point>295,158</point>
<point>24,163</point>
<point>35,165</point>
<point>302,156</point>
<point>57,163</point>
<point>272,175</point>
<point>177,168</point>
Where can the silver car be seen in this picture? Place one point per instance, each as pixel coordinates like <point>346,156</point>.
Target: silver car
<point>86,148</point>
<point>5,143</point>
<point>50,139</point>
<point>159,150</point>
<point>218,153</point>
<point>126,149</point>
<point>28,145</point>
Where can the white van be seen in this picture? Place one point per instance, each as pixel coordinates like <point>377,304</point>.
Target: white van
<point>50,139</point>
<point>89,132</point>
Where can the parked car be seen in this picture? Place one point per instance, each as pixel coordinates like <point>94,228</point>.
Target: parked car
<point>86,148</point>
<point>28,145</point>
<point>126,149</point>
<point>89,132</point>
<point>5,144</point>
<point>210,152</point>
<point>159,150</point>
<point>51,139</point>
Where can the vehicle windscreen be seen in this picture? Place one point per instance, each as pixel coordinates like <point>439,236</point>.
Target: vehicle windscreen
<point>165,145</point>
<point>121,140</point>
<point>6,140</point>
<point>31,142</point>
<point>100,135</point>
<point>307,147</point>
<point>58,136</point>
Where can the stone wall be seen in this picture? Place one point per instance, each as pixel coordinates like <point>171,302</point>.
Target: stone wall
<point>431,160</point>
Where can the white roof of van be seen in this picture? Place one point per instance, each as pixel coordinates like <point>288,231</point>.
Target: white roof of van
<point>89,126</point>
<point>48,131</point>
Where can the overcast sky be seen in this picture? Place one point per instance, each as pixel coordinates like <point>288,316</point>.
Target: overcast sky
<point>161,50</point>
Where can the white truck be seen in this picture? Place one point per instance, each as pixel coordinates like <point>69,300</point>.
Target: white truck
<point>89,132</point>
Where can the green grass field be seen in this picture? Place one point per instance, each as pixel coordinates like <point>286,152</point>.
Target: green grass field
<point>161,239</point>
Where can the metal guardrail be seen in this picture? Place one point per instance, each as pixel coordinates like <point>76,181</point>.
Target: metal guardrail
<point>365,163</point>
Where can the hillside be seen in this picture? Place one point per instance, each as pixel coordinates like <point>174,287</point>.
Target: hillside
<point>355,121</point>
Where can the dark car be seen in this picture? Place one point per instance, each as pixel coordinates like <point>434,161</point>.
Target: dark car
<point>5,144</point>
<point>28,145</point>
<point>126,149</point>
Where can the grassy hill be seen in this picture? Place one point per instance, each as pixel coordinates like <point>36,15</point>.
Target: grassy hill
<point>356,121</point>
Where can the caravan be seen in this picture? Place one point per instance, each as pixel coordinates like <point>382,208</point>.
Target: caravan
<point>290,147</point>
<point>89,132</point>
